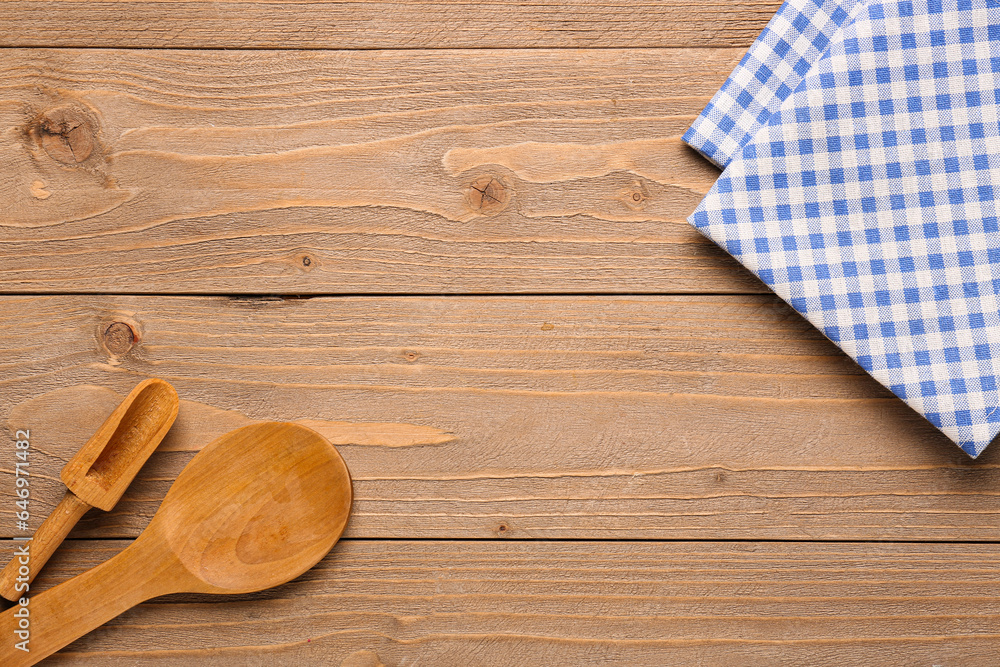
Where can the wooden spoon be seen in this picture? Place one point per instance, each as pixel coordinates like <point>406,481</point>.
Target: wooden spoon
<point>255,508</point>
<point>99,473</point>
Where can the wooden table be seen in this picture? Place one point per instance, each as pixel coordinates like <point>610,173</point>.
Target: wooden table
<point>452,238</point>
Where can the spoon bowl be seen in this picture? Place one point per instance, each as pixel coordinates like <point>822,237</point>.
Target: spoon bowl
<point>238,532</point>
<point>254,509</point>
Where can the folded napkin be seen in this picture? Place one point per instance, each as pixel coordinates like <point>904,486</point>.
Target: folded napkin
<point>862,150</point>
<point>772,68</point>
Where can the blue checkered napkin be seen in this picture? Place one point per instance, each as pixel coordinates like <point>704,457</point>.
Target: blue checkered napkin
<point>867,202</point>
<point>775,64</point>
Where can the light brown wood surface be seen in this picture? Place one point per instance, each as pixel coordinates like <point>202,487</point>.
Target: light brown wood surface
<point>579,433</point>
<point>364,172</point>
<point>421,24</point>
<point>561,417</point>
<point>542,602</point>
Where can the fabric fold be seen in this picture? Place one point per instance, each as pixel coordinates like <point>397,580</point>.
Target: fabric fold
<point>866,201</point>
<point>791,43</point>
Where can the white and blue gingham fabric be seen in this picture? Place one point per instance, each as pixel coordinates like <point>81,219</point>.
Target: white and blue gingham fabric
<point>866,199</point>
<point>772,68</point>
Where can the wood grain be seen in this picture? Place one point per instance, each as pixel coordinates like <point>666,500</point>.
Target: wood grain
<point>286,24</point>
<point>304,172</point>
<point>203,423</point>
<point>572,417</point>
<point>590,603</point>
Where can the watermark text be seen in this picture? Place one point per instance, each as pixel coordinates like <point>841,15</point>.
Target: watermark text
<point>22,553</point>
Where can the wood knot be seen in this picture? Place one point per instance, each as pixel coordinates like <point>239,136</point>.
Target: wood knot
<point>304,261</point>
<point>411,355</point>
<point>487,195</point>
<point>636,197</point>
<point>67,134</point>
<point>118,338</point>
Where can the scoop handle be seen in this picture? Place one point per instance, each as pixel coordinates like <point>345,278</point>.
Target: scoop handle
<point>66,612</point>
<point>42,545</point>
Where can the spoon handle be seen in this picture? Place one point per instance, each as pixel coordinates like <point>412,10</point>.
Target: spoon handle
<point>49,535</point>
<point>70,610</point>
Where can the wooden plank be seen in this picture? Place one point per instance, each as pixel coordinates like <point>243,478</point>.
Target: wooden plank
<point>287,24</point>
<point>357,172</point>
<point>573,417</point>
<point>636,603</point>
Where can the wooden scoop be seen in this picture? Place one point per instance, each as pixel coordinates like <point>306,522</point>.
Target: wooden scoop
<point>255,508</point>
<point>99,473</point>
